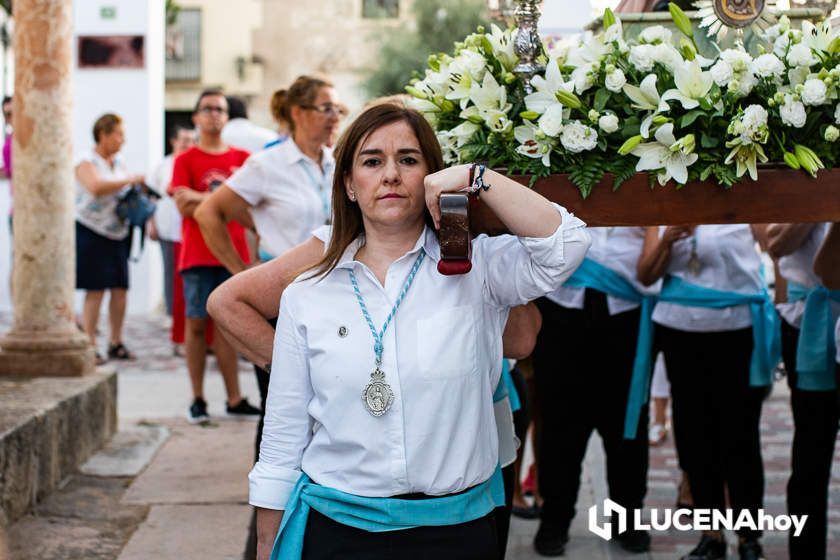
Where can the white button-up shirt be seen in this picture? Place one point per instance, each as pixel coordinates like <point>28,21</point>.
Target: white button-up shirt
<point>167,217</point>
<point>619,249</point>
<point>799,267</point>
<point>442,358</point>
<point>729,262</point>
<point>287,192</point>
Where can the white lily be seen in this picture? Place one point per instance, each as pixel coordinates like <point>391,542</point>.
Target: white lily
<point>590,50</point>
<point>546,88</point>
<point>463,132</point>
<point>692,84</point>
<point>746,158</point>
<point>503,46</point>
<point>818,37</point>
<point>583,77</point>
<point>658,156</point>
<point>460,85</point>
<point>489,95</point>
<point>490,105</point>
<point>646,97</point>
<point>433,85</point>
<point>497,121</point>
<point>551,122</point>
<point>533,143</point>
<point>422,105</point>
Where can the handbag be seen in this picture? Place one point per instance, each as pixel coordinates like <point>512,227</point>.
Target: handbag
<point>135,206</point>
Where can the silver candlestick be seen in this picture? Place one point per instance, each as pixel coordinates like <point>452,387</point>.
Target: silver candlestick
<point>527,43</point>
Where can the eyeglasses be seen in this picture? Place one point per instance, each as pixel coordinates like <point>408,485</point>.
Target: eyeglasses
<point>327,109</point>
<point>212,109</point>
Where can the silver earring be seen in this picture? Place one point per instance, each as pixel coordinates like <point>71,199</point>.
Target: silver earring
<point>353,196</point>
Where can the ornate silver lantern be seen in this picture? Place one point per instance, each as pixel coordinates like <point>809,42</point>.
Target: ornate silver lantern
<point>527,43</point>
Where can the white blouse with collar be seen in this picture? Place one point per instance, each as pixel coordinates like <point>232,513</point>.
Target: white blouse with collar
<point>729,262</point>
<point>442,359</point>
<point>288,194</point>
<point>799,267</point>
<point>619,249</point>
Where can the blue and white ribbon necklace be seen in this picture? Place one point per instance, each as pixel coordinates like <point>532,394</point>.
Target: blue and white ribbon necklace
<point>377,395</point>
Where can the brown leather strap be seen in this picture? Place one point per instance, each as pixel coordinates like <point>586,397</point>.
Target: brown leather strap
<point>455,237</point>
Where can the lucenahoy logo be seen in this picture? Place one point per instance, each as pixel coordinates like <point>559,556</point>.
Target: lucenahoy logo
<point>691,520</point>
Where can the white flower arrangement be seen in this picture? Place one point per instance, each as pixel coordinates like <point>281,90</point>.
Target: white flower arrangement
<point>620,105</point>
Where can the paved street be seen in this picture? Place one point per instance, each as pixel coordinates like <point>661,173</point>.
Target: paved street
<point>190,501</point>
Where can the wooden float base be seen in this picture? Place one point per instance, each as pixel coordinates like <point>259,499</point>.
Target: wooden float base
<point>779,196</point>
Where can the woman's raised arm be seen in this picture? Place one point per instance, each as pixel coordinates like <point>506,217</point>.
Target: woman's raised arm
<point>242,306</point>
<point>525,212</point>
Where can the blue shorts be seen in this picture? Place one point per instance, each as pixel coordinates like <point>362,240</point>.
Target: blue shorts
<point>199,281</point>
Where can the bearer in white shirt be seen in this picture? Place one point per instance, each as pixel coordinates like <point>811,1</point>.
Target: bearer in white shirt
<point>425,425</point>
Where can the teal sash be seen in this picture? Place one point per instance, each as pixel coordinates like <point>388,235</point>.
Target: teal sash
<point>815,351</point>
<point>766,334</point>
<point>380,514</point>
<point>765,322</point>
<point>591,274</point>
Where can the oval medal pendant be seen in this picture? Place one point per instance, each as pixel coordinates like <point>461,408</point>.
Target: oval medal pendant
<point>377,394</point>
<point>694,264</point>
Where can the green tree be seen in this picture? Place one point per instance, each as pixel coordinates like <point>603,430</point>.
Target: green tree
<point>172,11</point>
<point>433,27</point>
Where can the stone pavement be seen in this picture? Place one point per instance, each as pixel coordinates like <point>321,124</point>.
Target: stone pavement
<point>168,490</point>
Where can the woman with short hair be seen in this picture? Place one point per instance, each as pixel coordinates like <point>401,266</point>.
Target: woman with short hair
<point>103,239</point>
<point>380,431</point>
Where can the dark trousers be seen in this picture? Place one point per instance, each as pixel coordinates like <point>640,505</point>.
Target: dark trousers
<point>326,539</point>
<point>583,363</point>
<point>716,416</point>
<point>262,383</point>
<point>815,417</point>
<point>521,419</point>
<point>167,250</point>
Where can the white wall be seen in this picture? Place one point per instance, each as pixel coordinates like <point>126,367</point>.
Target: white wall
<point>137,96</point>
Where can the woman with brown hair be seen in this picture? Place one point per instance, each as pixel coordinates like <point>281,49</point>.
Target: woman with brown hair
<point>380,432</point>
<point>102,237</point>
<point>285,188</point>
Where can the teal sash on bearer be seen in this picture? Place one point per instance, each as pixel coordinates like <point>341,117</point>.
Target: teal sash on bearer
<point>767,342</point>
<point>591,274</point>
<point>815,351</point>
<point>380,514</point>
<point>766,334</point>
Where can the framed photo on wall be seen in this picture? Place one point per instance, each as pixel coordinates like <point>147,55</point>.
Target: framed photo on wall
<point>111,51</point>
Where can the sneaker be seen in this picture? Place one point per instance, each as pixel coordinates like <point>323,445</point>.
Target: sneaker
<point>709,548</point>
<point>551,538</point>
<point>198,412</point>
<point>243,410</point>
<point>750,550</point>
<point>634,540</point>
